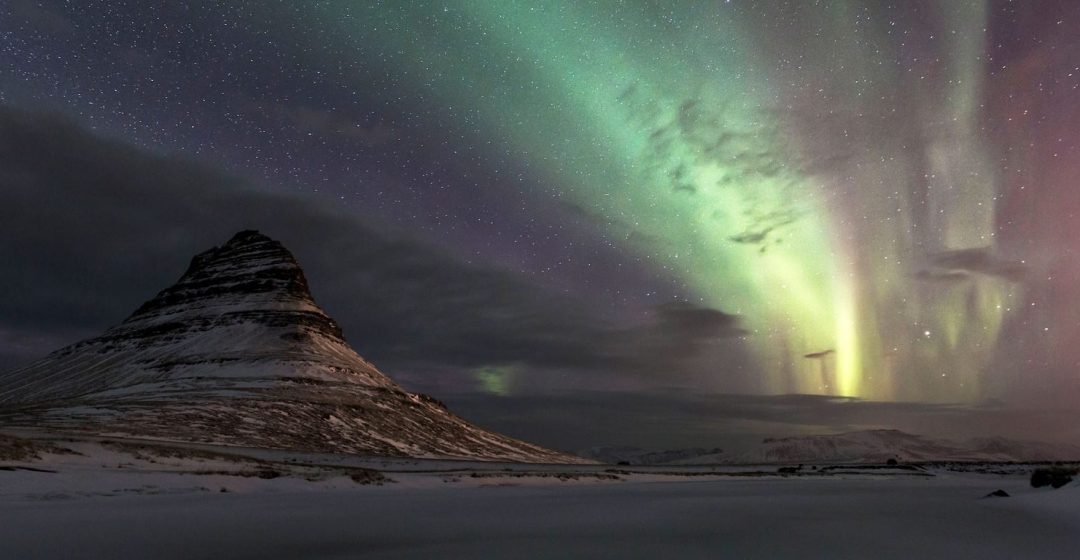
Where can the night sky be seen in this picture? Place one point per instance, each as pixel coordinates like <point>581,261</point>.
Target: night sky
<point>647,223</point>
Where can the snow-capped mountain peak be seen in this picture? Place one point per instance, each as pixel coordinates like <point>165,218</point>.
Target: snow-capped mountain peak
<point>238,352</point>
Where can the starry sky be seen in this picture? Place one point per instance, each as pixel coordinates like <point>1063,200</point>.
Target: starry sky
<point>692,219</point>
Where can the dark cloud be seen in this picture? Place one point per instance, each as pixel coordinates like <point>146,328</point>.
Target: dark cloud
<point>942,276</point>
<point>981,260</point>
<point>682,325</point>
<point>702,135</point>
<point>763,227</point>
<point>819,355</point>
<point>101,226</point>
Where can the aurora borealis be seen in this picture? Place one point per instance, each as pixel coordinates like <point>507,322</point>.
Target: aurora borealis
<point>845,198</point>
<point>835,187</point>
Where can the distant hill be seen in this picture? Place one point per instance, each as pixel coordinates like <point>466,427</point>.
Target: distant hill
<point>637,456</point>
<point>869,446</point>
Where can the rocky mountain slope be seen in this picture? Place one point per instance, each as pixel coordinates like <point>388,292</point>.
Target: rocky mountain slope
<point>237,352</point>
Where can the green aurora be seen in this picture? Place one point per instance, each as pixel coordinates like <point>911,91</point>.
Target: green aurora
<point>742,161</point>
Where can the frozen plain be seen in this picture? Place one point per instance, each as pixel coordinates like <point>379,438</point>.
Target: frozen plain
<point>113,504</point>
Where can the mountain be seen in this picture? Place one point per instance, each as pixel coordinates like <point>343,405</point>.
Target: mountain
<point>873,446</point>
<point>237,352</point>
<point>1017,450</point>
<point>637,456</point>
<point>868,446</point>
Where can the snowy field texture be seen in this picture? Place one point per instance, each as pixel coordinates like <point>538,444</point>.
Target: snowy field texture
<point>777,518</point>
<point>120,501</point>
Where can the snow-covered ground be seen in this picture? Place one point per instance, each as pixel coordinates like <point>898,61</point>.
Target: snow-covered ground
<point>777,518</point>
<point>117,500</point>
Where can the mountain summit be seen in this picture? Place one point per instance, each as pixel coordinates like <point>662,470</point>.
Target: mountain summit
<point>237,352</point>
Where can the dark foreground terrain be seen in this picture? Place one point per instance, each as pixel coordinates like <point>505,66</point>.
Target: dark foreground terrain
<point>103,498</point>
